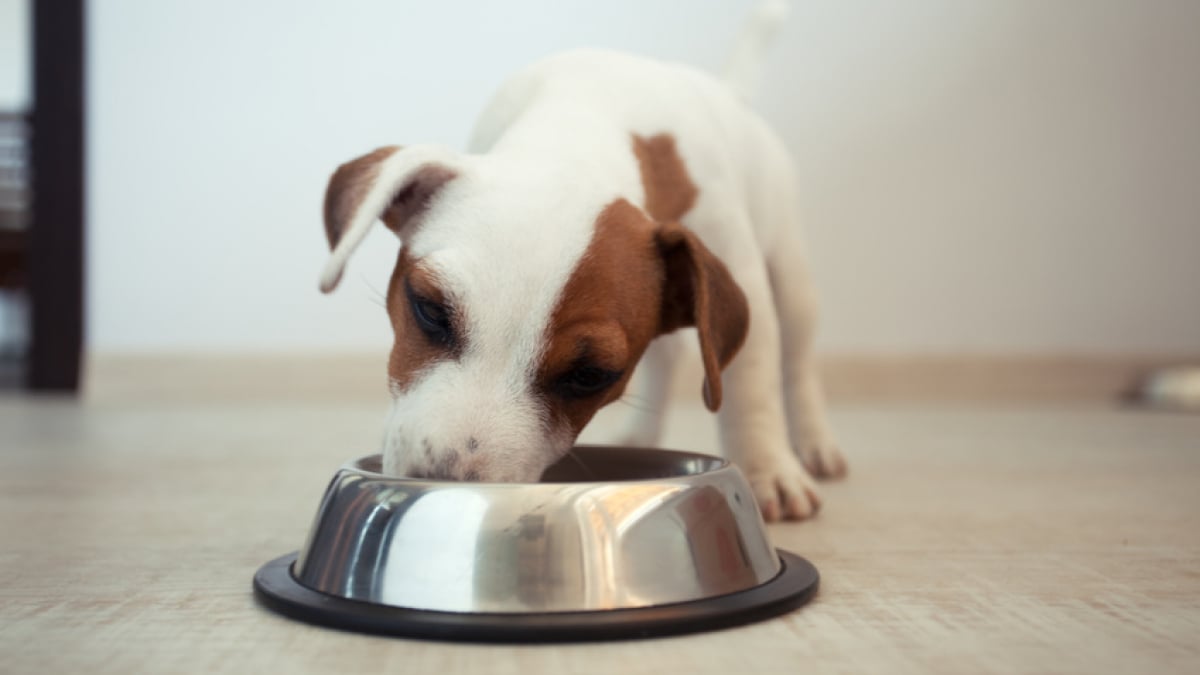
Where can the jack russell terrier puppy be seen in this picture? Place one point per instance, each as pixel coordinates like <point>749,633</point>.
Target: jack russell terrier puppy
<point>607,201</point>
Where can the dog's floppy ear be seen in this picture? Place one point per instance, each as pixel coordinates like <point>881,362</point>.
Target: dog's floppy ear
<point>392,184</point>
<point>699,291</point>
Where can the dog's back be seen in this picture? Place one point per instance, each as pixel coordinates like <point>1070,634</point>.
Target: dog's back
<point>587,103</point>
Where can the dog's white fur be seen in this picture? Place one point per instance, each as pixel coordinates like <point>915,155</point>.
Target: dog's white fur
<point>505,235</point>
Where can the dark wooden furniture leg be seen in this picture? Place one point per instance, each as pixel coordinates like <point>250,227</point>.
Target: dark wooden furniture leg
<point>56,253</point>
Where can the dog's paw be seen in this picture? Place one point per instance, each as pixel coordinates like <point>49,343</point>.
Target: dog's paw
<point>823,459</point>
<point>785,492</point>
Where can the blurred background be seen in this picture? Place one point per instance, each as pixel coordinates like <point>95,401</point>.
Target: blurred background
<point>997,191</point>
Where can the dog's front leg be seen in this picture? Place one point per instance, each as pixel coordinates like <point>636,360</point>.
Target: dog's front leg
<point>754,429</point>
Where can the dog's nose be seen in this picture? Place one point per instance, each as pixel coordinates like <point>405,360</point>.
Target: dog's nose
<point>468,476</point>
<point>448,467</point>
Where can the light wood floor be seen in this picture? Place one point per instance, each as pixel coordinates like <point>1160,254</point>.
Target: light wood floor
<point>967,539</point>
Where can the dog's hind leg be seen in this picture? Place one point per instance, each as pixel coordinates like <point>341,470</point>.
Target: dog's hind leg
<point>795,305</point>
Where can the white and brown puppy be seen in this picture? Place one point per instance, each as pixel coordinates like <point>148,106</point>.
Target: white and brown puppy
<point>607,201</point>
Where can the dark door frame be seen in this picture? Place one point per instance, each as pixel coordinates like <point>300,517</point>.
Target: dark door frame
<point>56,231</point>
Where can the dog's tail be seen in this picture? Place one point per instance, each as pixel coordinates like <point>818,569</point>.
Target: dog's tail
<point>743,69</point>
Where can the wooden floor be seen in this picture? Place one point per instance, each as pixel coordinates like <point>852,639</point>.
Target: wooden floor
<point>966,540</point>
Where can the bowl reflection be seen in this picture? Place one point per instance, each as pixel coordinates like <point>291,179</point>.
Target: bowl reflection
<point>607,528</point>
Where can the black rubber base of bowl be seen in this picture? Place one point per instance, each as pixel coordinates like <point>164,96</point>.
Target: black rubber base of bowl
<point>795,584</point>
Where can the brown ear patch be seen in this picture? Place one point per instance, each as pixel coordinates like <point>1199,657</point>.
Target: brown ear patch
<point>351,182</point>
<point>348,187</point>
<point>414,197</point>
<point>699,291</point>
<point>670,193</point>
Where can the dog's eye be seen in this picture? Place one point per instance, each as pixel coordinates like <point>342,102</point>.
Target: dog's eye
<point>586,380</point>
<point>433,318</point>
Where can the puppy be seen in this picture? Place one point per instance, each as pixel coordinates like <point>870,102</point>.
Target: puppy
<point>607,201</point>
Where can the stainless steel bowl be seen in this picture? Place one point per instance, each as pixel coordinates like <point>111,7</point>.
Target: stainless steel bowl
<point>607,530</point>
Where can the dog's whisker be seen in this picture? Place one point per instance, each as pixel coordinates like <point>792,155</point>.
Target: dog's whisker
<point>376,296</point>
<point>583,465</point>
<point>639,405</point>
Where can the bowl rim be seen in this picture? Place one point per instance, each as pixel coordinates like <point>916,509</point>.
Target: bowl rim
<point>717,465</point>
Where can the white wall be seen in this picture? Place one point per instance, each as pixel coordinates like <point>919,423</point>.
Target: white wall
<point>1003,176</point>
<point>15,46</point>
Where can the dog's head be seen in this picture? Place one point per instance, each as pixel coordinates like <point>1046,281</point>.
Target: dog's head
<point>521,302</point>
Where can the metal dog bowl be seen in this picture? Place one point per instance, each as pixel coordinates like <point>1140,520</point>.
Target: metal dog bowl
<point>614,542</point>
